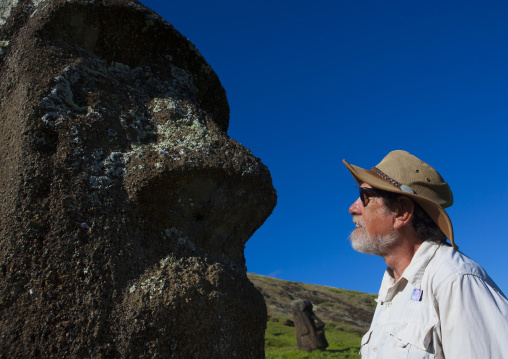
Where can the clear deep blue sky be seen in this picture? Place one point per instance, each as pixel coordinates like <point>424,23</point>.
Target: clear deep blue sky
<point>312,82</point>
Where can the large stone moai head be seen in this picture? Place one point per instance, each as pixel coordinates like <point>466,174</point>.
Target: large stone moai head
<point>125,207</point>
<point>310,333</point>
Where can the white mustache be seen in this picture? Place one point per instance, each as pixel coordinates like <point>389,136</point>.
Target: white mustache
<point>358,222</point>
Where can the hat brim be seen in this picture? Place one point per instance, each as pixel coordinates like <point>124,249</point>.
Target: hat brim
<point>434,210</point>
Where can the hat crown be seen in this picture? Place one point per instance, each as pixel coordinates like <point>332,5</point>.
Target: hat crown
<point>409,170</point>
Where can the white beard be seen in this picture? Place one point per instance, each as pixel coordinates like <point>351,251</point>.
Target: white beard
<point>362,242</point>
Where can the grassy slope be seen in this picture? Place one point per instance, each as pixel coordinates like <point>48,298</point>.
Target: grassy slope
<point>346,313</point>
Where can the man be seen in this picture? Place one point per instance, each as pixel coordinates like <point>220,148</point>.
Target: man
<point>434,302</point>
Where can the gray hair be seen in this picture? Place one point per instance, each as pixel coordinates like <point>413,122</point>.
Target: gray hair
<point>422,223</point>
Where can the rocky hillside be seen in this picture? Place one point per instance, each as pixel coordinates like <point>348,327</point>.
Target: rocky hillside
<point>346,308</point>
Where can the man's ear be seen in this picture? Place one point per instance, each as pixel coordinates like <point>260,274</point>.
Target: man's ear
<point>404,213</point>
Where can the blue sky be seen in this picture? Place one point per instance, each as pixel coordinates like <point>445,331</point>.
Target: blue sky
<point>312,83</point>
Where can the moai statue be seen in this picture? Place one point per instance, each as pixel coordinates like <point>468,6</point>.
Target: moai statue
<point>124,204</point>
<point>310,334</point>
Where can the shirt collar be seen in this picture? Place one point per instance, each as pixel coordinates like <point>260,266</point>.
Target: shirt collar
<point>412,274</point>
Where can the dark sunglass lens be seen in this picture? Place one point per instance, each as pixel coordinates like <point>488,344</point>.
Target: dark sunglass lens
<point>362,196</point>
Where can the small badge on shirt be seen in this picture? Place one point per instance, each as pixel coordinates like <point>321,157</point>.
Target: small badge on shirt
<point>417,295</point>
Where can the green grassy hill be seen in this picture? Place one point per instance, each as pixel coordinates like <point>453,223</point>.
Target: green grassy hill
<point>346,313</point>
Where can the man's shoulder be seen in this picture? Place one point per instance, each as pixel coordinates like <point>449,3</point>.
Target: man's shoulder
<point>448,263</point>
<point>451,268</point>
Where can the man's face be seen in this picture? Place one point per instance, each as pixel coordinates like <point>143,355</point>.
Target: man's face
<point>374,233</point>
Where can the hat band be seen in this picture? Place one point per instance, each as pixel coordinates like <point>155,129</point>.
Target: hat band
<point>385,177</point>
<point>390,180</point>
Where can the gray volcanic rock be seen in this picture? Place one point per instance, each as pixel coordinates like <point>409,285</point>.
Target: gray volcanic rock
<point>125,206</point>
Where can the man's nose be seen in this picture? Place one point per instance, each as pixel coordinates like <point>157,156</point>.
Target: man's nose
<point>356,207</point>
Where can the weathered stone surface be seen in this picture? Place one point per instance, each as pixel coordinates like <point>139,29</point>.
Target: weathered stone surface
<point>310,334</point>
<point>125,206</point>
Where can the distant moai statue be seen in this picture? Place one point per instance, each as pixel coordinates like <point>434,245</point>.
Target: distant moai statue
<point>310,334</point>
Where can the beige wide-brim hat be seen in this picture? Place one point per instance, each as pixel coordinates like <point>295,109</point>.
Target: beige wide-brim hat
<point>401,172</point>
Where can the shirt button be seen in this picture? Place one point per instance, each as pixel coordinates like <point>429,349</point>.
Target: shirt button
<point>388,304</point>
<point>374,349</point>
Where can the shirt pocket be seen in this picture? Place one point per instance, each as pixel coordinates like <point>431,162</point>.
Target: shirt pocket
<point>414,342</point>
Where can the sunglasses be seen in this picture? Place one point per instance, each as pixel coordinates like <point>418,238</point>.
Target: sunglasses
<point>367,192</point>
